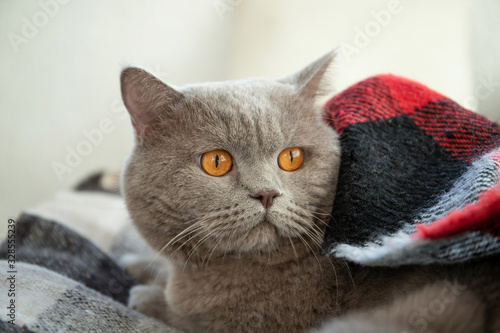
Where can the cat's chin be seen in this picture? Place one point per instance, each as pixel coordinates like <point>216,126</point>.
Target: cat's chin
<point>261,238</point>
<point>264,237</point>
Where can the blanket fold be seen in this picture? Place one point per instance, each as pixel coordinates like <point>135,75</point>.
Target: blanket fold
<point>50,302</point>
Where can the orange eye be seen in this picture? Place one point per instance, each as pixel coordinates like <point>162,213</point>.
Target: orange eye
<point>216,162</point>
<point>291,159</point>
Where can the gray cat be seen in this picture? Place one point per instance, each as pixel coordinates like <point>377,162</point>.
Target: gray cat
<point>233,183</point>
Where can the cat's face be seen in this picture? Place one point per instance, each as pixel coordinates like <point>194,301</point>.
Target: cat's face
<point>256,206</point>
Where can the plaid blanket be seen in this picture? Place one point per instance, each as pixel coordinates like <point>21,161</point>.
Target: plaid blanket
<point>418,179</point>
<point>62,280</point>
<point>418,184</point>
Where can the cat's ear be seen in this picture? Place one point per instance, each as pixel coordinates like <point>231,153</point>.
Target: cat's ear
<point>146,98</point>
<point>316,81</point>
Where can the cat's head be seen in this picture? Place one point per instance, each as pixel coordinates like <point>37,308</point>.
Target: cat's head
<point>211,171</point>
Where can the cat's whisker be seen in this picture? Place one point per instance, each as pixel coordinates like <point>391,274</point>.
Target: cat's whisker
<point>306,214</point>
<point>317,240</point>
<point>212,249</point>
<point>160,271</point>
<point>314,234</point>
<point>230,237</point>
<point>196,226</point>
<point>324,212</point>
<point>312,251</point>
<point>206,258</point>
<point>294,251</point>
<point>300,230</point>
<point>177,237</point>
<point>301,220</point>
<point>197,245</point>
<point>348,270</point>
<point>336,280</point>
<point>197,233</point>
<point>311,214</point>
<point>309,229</point>
<point>320,232</point>
<point>182,234</point>
<point>317,227</point>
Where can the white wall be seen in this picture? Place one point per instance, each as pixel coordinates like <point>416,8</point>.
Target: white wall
<point>428,41</point>
<point>486,53</point>
<point>64,79</point>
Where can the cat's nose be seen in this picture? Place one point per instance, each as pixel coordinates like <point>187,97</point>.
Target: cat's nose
<point>266,197</point>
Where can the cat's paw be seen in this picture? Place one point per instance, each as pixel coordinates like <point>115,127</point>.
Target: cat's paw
<point>148,300</point>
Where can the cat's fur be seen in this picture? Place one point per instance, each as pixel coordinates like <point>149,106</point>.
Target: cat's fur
<point>235,266</point>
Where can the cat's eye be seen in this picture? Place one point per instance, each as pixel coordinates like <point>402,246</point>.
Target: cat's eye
<point>216,162</point>
<point>291,159</point>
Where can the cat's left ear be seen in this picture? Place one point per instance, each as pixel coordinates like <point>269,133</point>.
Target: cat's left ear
<point>316,81</point>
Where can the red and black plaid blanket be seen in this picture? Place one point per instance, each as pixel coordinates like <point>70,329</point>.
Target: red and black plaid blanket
<point>419,176</point>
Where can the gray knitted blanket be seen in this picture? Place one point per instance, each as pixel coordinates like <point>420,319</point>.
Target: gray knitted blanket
<point>55,279</point>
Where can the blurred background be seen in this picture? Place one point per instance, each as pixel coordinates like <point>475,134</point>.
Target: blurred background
<point>61,116</point>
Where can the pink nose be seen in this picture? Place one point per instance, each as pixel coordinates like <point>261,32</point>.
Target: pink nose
<point>266,197</point>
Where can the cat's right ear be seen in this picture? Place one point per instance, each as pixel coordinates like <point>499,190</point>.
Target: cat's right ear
<point>146,98</point>
<point>317,81</point>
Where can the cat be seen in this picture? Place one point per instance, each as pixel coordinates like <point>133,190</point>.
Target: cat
<point>233,183</point>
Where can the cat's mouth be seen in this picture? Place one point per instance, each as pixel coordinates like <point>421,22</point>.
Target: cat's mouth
<point>262,232</point>
<point>268,221</point>
<point>260,235</point>
<point>266,218</point>
<point>269,236</point>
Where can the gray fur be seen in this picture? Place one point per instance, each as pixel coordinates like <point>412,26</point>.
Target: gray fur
<point>211,228</point>
<point>233,265</point>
